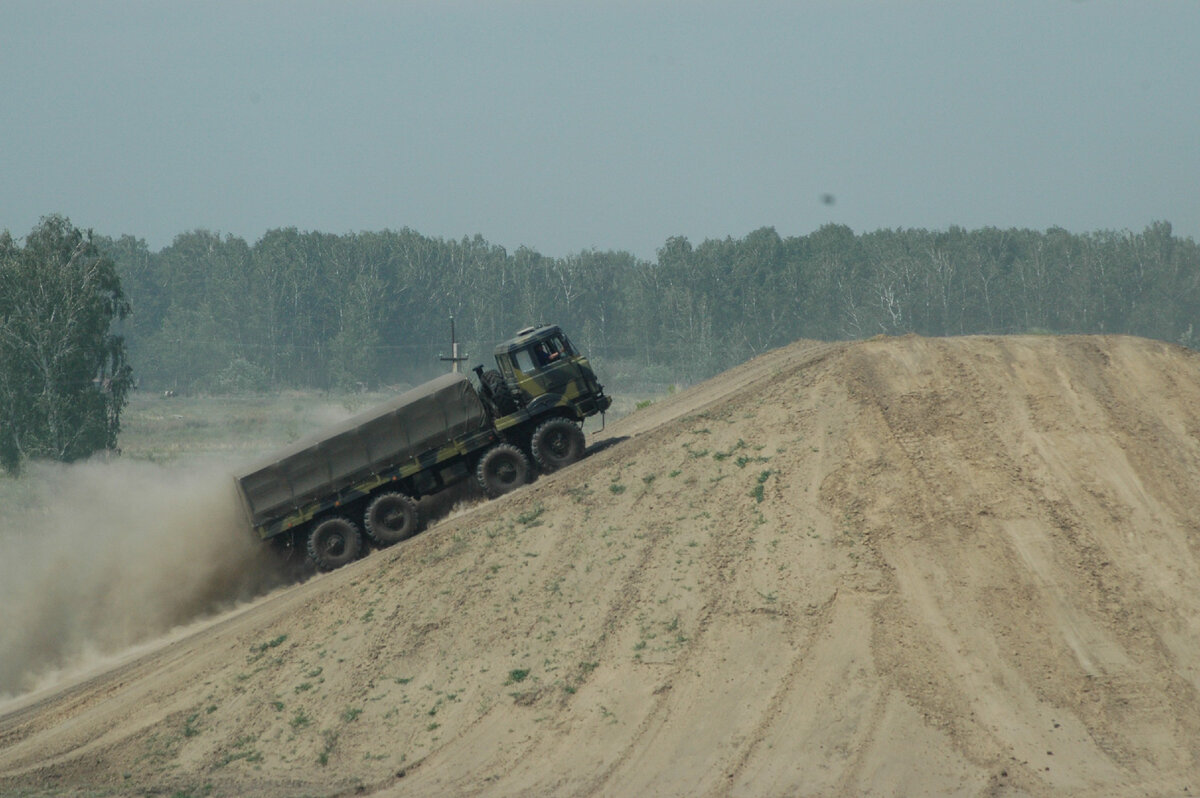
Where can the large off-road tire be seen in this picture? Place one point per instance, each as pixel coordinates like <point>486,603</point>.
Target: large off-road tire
<point>501,396</point>
<point>556,444</point>
<point>501,469</point>
<point>334,542</point>
<point>289,556</point>
<point>391,518</point>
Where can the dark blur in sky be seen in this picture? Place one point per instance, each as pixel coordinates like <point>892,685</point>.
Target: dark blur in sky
<point>570,125</point>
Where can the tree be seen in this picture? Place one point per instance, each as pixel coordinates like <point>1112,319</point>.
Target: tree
<point>63,373</point>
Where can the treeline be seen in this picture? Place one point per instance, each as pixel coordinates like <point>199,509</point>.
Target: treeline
<point>308,309</point>
<point>63,373</point>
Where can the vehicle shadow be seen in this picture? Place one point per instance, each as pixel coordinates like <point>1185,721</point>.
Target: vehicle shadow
<point>600,446</point>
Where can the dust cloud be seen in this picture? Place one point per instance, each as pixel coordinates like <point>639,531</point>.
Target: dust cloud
<point>102,555</point>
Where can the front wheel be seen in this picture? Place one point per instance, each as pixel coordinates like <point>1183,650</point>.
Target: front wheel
<point>333,543</point>
<point>502,468</point>
<point>556,444</point>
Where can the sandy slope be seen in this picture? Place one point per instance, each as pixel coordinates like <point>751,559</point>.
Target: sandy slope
<point>897,567</point>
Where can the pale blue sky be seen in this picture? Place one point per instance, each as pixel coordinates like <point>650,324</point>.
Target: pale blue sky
<point>570,125</point>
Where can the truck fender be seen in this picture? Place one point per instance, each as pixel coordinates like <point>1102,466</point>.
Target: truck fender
<point>546,402</point>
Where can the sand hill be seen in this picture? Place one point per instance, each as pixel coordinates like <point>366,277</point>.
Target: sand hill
<point>895,567</point>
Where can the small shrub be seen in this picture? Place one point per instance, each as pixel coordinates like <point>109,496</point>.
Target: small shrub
<point>529,516</point>
<point>743,461</point>
<point>189,726</point>
<point>330,737</point>
<point>257,651</point>
<point>757,491</point>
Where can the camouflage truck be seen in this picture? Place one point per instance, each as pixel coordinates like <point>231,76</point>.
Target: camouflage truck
<point>319,495</point>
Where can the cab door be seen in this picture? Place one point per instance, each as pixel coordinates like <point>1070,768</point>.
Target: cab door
<point>544,366</point>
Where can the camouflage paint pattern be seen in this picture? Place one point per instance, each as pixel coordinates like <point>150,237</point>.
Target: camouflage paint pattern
<point>445,456</point>
<point>419,442</point>
<point>569,383</point>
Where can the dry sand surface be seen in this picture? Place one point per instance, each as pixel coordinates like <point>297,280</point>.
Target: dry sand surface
<point>896,567</point>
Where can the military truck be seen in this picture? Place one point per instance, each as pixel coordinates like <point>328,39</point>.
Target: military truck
<point>319,495</point>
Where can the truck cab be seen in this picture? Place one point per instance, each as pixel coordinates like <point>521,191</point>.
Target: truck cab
<point>541,368</point>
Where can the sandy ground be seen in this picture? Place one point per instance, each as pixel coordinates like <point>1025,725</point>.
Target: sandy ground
<point>896,567</point>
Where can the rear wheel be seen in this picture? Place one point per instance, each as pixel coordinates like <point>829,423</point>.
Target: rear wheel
<point>501,469</point>
<point>391,518</point>
<point>290,553</point>
<point>333,543</point>
<point>556,444</point>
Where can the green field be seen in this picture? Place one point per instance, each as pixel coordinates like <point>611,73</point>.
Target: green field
<point>163,429</point>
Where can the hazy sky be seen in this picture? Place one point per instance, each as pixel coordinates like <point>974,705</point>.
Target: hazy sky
<point>570,125</point>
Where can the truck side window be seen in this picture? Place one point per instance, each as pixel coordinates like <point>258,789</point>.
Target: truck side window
<point>524,361</point>
<point>544,353</point>
<point>553,348</point>
<point>563,346</point>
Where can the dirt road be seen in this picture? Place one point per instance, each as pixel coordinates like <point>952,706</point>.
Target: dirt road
<point>895,567</point>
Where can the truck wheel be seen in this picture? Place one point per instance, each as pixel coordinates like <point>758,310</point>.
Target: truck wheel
<point>556,444</point>
<point>333,543</point>
<point>501,396</point>
<point>391,518</point>
<point>501,469</point>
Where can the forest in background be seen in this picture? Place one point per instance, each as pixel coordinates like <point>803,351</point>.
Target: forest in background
<point>363,310</point>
